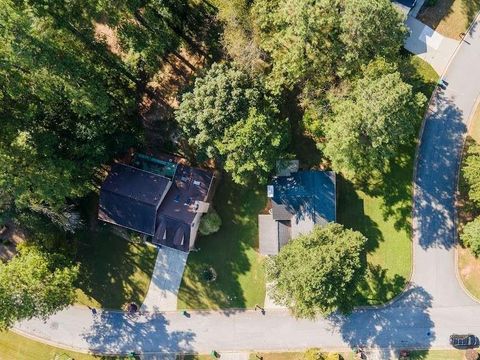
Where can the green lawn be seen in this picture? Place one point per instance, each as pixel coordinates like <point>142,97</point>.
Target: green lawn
<point>16,347</point>
<point>113,270</point>
<point>382,211</point>
<point>232,252</point>
<point>437,355</point>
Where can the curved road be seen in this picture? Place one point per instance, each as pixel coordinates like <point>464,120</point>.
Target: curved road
<point>432,308</point>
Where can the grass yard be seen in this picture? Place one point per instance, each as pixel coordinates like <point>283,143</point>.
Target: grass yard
<point>450,17</point>
<point>113,270</point>
<point>468,264</point>
<point>382,211</point>
<point>14,346</point>
<point>232,252</point>
<point>437,355</point>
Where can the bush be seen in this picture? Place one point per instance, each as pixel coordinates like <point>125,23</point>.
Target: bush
<point>431,3</point>
<point>210,223</point>
<point>471,236</point>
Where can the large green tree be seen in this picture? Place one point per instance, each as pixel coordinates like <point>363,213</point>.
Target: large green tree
<point>34,284</point>
<point>230,117</point>
<point>370,123</point>
<point>252,146</point>
<point>313,44</point>
<point>318,273</point>
<point>62,111</point>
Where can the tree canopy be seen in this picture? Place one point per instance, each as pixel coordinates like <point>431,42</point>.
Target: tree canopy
<point>370,123</point>
<point>34,284</point>
<point>471,235</point>
<point>471,173</point>
<point>312,44</point>
<point>317,273</point>
<point>229,116</point>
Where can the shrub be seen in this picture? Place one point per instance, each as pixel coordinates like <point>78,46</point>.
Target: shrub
<point>210,223</point>
<point>471,236</point>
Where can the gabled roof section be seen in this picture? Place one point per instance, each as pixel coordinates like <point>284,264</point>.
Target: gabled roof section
<point>130,197</point>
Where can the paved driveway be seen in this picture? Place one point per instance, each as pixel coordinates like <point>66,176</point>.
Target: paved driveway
<point>429,45</point>
<point>424,316</point>
<point>166,279</point>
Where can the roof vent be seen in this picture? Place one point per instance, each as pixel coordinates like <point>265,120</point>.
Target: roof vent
<point>270,191</point>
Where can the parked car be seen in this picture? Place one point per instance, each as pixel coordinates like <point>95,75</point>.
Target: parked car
<point>463,341</point>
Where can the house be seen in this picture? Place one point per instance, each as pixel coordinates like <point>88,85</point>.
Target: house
<point>298,201</point>
<point>163,199</point>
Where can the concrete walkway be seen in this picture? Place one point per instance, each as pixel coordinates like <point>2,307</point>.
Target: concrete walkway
<point>434,306</point>
<point>429,45</point>
<point>165,282</point>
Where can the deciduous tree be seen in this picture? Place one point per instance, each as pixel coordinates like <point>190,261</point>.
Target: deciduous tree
<point>471,236</point>
<point>34,284</point>
<point>317,273</point>
<point>369,124</point>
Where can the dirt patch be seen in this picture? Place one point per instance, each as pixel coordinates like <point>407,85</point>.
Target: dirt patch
<point>10,238</point>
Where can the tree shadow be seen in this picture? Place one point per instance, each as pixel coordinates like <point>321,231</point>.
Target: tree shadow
<point>433,15</point>
<point>351,214</point>
<point>435,182</point>
<point>404,324</point>
<point>379,287</point>
<point>113,270</point>
<point>119,333</point>
<point>231,252</point>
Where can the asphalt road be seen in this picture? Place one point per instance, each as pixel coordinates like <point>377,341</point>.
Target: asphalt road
<point>434,306</point>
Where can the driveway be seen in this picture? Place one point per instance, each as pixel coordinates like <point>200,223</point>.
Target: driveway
<point>429,45</point>
<point>165,282</point>
<point>432,308</point>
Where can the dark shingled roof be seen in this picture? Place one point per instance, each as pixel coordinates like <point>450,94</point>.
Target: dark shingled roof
<point>305,194</point>
<point>130,197</point>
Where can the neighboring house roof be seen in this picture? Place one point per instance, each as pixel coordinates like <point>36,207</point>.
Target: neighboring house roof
<point>299,202</point>
<point>130,197</point>
<point>150,203</point>
<point>186,198</point>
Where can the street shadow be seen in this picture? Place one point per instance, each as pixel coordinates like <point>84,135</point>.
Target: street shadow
<point>404,324</point>
<point>119,333</point>
<point>436,176</point>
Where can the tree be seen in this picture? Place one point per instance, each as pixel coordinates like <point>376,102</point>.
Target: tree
<point>240,38</point>
<point>368,126</point>
<point>210,223</point>
<point>471,236</point>
<point>471,173</point>
<point>301,38</point>
<point>62,113</point>
<point>371,29</point>
<point>252,146</point>
<point>220,98</point>
<point>318,273</point>
<point>34,284</point>
<point>314,44</point>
